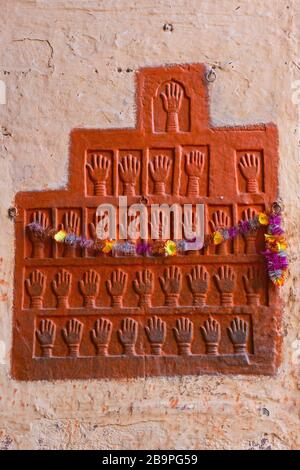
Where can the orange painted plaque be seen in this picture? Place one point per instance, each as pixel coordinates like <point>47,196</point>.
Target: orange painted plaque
<point>79,314</point>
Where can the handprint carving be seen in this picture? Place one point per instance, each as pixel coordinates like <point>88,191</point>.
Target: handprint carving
<point>46,337</point>
<point>238,334</point>
<point>172,101</point>
<point>156,331</point>
<point>143,286</point>
<point>36,285</point>
<point>37,238</point>
<point>252,284</point>
<point>61,286</point>
<point>159,170</point>
<point>89,288</point>
<point>72,335</point>
<point>98,170</point>
<point>184,333</point>
<point>225,280</point>
<point>71,224</point>
<point>250,167</point>
<point>129,169</point>
<point>116,287</point>
<point>194,165</point>
<point>171,284</point>
<point>220,220</point>
<point>128,336</point>
<point>250,237</point>
<point>101,336</point>
<point>198,283</point>
<point>211,332</point>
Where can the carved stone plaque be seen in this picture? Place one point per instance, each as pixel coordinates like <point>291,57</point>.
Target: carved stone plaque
<point>81,315</point>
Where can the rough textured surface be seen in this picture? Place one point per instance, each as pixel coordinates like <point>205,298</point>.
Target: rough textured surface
<point>68,64</point>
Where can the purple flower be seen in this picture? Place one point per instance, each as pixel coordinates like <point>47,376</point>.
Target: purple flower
<point>143,248</point>
<point>233,232</point>
<point>274,219</point>
<point>244,226</point>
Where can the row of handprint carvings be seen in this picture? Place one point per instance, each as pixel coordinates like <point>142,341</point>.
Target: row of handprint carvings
<point>156,332</point>
<point>171,284</point>
<point>219,219</point>
<point>161,168</point>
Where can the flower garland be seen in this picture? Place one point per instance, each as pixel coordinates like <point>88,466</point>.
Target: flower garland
<point>275,253</point>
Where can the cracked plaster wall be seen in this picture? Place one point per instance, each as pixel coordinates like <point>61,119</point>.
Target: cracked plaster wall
<point>71,63</point>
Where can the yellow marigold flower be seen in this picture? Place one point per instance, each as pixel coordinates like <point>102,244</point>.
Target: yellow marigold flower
<point>217,238</point>
<point>170,248</point>
<point>263,218</point>
<point>108,246</point>
<point>60,236</point>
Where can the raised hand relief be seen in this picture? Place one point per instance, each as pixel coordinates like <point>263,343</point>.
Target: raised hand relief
<point>238,334</point>
<point>225,279</point>
<point>116,287</point>
<point>194,164</point>
<point>220,220</point>
<point>143,286</point>
<point>250,237</point>
<point>198,283</point>
<point>159,170</point>
<point>37,238</point>
<point>172,101</point>
<point>89,288</point>
<point>46,337</point>
<point>171,284</point>
<point>72,335</point>
<point>184,333</point>
<point>250,167</point>
<point>211,332</point>
<point>128,336</point>
<point>71,224</point>
<point>99,170</point>
<point>252,283</point>
<point>101,336</point>
<point>36,285</point>
<point>156,331</point>
<point>61,286</point>
<point>129,169</point>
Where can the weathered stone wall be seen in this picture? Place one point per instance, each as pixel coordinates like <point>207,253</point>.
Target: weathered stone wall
<point>71,63</point>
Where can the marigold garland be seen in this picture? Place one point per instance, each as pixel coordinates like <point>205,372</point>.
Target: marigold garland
<point>275,253</point>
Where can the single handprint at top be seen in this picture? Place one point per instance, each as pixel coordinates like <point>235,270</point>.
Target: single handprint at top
<point>38,238</point>
<point>172,100</point>
<point>72,335</point>
<point>61,286</point>
<point>238,334</point>
<point>101,336</point>
<point>36,285</point>
<point>252,284</point>
<point>250,167</point>
<point>198,283</point>
<point>116,287</point>
<point>128,336</point>
<point>225,279</point>
<point>184,332</point>
<point>46,337</point>
<point>89,288</point>
<point>250,237</point>
<point>98,171</point>
<point>156,331</point>
<point>143,286</point>
<point>194,165</point>
<point>129,169</point>
<point>211,332</point>
<point>160,169</point>
<point>171,284</point>
<point>220,221</point>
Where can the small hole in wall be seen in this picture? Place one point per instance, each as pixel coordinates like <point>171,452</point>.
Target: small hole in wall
<point>168,27</point>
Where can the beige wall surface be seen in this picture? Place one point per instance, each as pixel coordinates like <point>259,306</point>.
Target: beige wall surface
<point>71,63</point>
